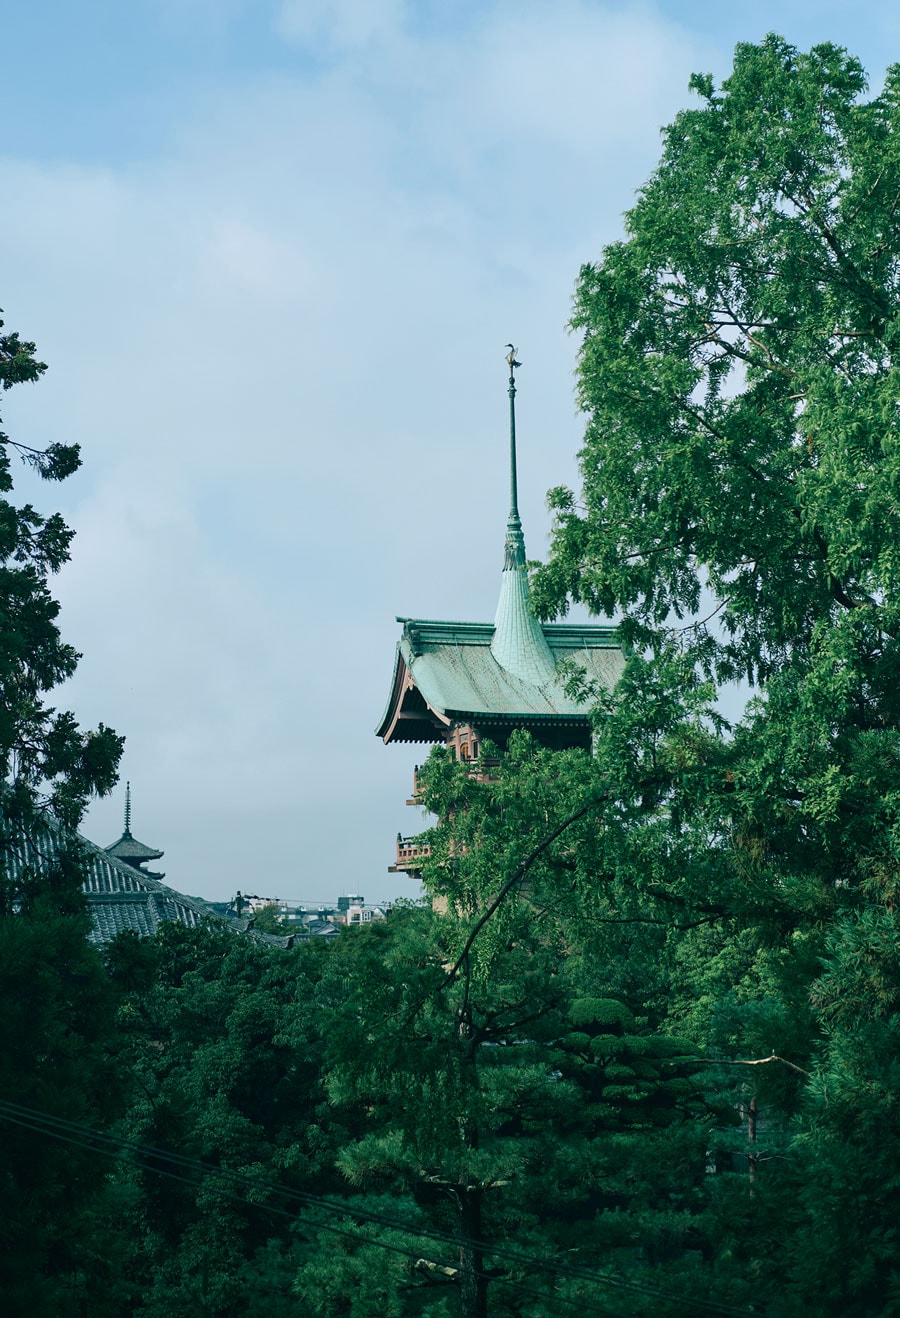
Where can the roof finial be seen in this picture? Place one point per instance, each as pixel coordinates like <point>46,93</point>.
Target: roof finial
<point>518,644</point>
<point>513,482</point>
<point>515,545</point>
<point>128,809</point>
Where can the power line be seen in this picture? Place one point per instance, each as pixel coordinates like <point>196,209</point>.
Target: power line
<point>87,1137</point>
<point>357,1236</point>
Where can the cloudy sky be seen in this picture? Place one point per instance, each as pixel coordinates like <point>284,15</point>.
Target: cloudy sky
<point>272,252</point>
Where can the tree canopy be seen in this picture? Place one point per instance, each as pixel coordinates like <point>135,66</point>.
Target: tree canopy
<point>56,1028</point>
<point>738,370</point>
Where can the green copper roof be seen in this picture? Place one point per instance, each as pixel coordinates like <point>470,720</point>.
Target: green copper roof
<point>450,668</point>
<point>505,674</point>
<point>459,673</point>
<point>518,643</point>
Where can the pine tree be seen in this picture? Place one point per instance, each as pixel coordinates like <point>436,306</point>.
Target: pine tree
<point>58,1003</point>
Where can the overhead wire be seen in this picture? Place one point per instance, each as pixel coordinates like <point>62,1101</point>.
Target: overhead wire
<point>87,1137</point>
<point>355,1236</point>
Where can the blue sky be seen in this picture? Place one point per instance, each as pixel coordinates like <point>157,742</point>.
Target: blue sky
<point>272,253</point>
<point>108,82</point>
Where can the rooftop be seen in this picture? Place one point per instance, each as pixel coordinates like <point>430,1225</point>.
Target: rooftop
<point>121,897</point>
<point>128,848</point>
<point>448,671</point>
<point>496,674</point>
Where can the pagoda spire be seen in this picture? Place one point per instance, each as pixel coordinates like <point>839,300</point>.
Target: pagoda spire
<point>519,644</point>
<point>129,849</point>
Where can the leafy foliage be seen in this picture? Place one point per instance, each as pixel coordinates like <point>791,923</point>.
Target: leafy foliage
<point>39,747</point>
<point>57,1055</point>
<point>739,373</point>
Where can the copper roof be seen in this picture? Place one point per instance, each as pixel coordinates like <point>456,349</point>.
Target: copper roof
<point>448,671</point>
<point>504,675</point>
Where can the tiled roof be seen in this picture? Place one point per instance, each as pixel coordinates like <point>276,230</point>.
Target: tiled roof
<point>128,848</point>
<point>322,929</point>
<point>502,675</point>
<point>120,897</point>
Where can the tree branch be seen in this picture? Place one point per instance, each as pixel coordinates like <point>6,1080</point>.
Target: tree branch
<point>517,877</point>
<point>753,1061</point>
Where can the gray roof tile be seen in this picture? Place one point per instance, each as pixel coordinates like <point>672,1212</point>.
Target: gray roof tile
<point>120,897</point>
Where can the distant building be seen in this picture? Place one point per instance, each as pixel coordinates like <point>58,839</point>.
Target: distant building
<point>353,910</point>
<point>322,929</point>
<point>118,895</point>
<point>314,919</point>
<point>121,895</point>
<point>460,683</point>
<point>127,848</point>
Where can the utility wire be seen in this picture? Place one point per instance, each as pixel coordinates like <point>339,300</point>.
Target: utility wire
<point>356,1236</point>
<point>97,1141</point>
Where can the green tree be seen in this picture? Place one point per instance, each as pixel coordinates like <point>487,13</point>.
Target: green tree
<point>42,751</point>
<point>58,1004</point>
<point>268,920</point>
<point>516,1090</point>
<point>223,1038</point>
<point>559,886</point>
<point>739,372</point>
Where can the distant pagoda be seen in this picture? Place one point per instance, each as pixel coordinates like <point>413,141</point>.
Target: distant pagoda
<point>128,849</point>
<point>461,682</point>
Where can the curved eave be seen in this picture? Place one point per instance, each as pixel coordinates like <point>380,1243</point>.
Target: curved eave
<point>408,716</point>
<point>128,848</point>
<point>482,719</point>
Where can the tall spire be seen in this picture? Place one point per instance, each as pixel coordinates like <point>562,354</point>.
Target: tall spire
<point>128,848</point>
<point>513,479</point>
<point>515,541</point>
<point>519,644</point>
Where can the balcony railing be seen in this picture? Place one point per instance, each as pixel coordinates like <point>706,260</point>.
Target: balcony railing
<point>410,855</point>
<point>481,770</point>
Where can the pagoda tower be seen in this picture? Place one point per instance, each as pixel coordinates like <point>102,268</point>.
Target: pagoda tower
<point>461,682</point>
<point>134,853</point>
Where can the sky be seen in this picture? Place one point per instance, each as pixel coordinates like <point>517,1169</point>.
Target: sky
<point>272,251</point>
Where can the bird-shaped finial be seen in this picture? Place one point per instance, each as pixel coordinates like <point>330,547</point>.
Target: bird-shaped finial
<point>511,358</point>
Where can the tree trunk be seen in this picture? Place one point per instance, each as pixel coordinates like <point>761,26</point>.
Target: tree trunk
<point>472,1282</point>
<point>751,1139</point>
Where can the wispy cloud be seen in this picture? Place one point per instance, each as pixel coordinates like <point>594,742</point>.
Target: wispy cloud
<point>279,338</point>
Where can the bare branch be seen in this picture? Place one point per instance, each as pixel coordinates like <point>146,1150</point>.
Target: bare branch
<point>518,875</point>
<point>753,1061</point>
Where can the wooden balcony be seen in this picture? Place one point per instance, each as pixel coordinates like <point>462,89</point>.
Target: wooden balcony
<point>481,770</point>
<point>410,856</point>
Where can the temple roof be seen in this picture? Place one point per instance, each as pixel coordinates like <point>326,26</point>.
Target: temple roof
<point>502,675</point>
<point>448,671</point>
<point>121,897</point>
<point>128,848</point>
<point>518,643</point>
